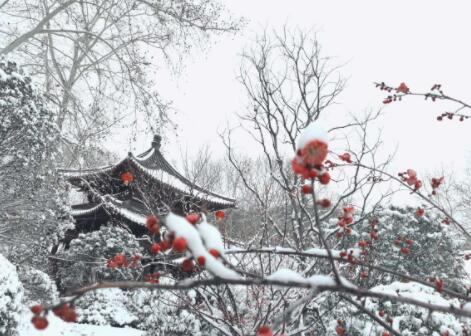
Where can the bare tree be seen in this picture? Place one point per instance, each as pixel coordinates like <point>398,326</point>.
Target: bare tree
<point>97,59</point>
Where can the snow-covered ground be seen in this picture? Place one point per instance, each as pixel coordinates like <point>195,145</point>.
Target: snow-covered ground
<point>57,327</point>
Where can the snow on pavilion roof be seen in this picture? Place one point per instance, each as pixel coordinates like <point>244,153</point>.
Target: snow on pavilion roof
<point>153,164</point>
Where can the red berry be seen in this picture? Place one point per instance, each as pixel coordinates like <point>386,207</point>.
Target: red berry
<point>187,265</point>
<point>112,264</point>
<point>324,203</point>
<point>36,309</point>
<point>201,260</point>
<point>306,189</point>
<point>385,333</point>
<point>363,275</point>
<point>374,235</point>
<point>179,244</point>
<point>219,214</point>
<point>264,331</point>
<point>381,313</point>
<point>324,178</point>
<point>215,253</point>
<point>340,331</point>
<point>155,248</point>
<point>345,157</point>
<point>193,218</point>
<point>151,220</point>
<point>120,259</point>
<point>127,178</point>
<point>164,245</point>
<point>70,315</point>
<point>405,250</point>
<point>39,322</point>
<point>409,241</point>
<point>419,212</point>
<point>402,88</point>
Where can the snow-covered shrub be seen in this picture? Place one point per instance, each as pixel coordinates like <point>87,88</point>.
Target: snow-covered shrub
<point>31,202</point>
<point>105,307</point>
<point>418,245</point>
<point>85,260</point>
<point>38,286</point>
<point>11,293</point>
<point>169,313</point>
<point>407,319</point>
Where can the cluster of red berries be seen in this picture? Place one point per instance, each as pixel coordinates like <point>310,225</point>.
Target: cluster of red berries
<point>446,221</point>
<point>65,312</point>
<point>435,183</point>
<point>451,115</point>
<point>264,331</point>
<point>420,212</point>
<point>127,178</point>
<point>374,231</point>
<point>344,220</point>
<point>152,278</point>
<point>308,162</point>
<point>401,89</point>
<point>39,321</point>
<point>347,255</point>
<point>340,329</point>
<point>410,177</point>
<point>152,224</point>
<point>120,260</point>
<point>405,243</point>
<point>467,256</point>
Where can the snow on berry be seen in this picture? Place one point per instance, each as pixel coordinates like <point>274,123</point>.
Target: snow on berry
<point>313,131</point>
<point>211,236</point>
<point>183,228</point>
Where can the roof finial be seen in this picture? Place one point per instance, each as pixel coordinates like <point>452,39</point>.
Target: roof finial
<point>157,141</point>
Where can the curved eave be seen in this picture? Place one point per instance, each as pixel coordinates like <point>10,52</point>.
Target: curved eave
<point>85,209</point>
<point>172,179</point>
<point>119,207</point>
<point>87,173</point>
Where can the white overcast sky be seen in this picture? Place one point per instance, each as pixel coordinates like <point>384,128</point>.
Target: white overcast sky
<point>418,42</point>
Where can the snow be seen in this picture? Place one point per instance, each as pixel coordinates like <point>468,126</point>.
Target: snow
<point>183,228</point>
<point>286,275</point>
<point>335,253</point>
<point>126,213</point>
<point>57,327</point>
<point>11,294</point>
<point>211,236</point>
<point>290,276</point>
<point>412,290</point>
<point>321,280</point>
<point>313,131</point>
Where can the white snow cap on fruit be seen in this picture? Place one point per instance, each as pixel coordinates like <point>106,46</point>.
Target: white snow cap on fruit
<point>314,131</point>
